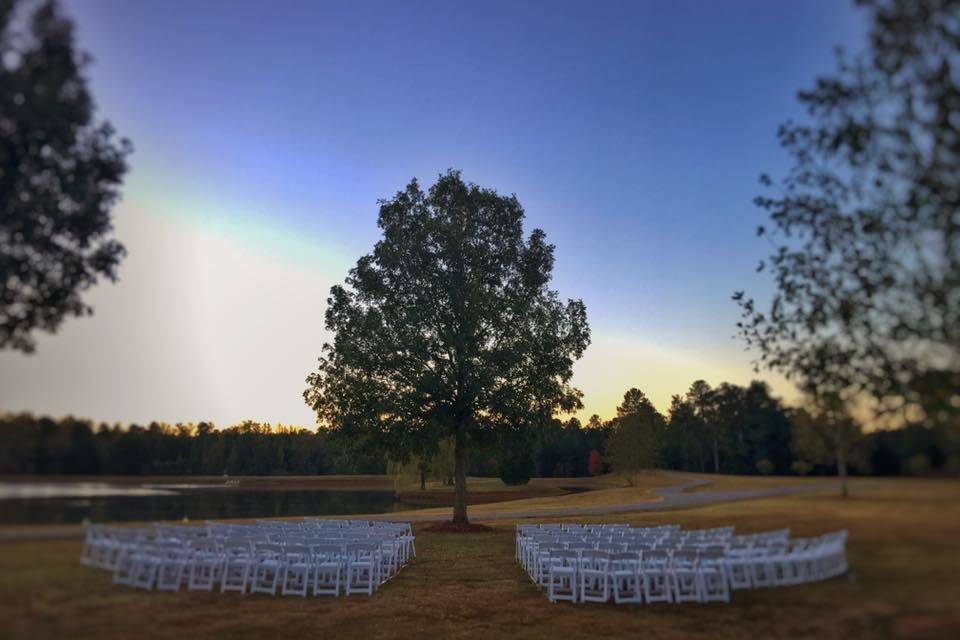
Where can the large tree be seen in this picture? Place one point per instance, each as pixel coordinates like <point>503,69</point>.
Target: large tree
<point>866,225</point>
<point>448,328</point>
<point>60,173</point>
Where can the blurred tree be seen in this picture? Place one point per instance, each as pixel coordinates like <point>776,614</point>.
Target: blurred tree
<point>448,328</point>
<point>865,225</point>
<point>824,432</point>
<point>687,441</point>
<point>702,398</point>
<point>636,441</point>
<point>60,174</point>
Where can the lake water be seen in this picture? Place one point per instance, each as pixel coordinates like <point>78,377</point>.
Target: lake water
<point>71,502</point>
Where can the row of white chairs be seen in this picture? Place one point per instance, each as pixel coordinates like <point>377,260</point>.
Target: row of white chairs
<point>323,557</point>
<point>597,563</point>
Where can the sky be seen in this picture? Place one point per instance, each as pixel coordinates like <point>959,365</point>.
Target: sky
<point>633,133</point>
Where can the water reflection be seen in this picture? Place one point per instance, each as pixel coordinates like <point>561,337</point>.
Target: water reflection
<point>45,503</point>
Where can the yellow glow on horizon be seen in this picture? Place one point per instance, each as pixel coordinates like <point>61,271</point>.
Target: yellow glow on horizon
<point>614,363</point>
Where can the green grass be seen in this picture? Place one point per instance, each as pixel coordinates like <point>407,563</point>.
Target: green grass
<point>903,552</point>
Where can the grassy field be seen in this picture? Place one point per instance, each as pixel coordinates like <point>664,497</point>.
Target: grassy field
<point>903,553</point>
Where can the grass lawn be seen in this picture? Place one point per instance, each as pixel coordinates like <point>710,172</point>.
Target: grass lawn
<point>903,551</point>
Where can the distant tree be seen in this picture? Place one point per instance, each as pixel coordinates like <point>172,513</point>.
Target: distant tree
<point>918,464</point>
<point>723,414</point>
<point>442,463</point>
<point>702,398</point>
<point>865,229</point>
<point>801,467</point>
<point>824,432</point>
<point>515,466</point>
<point>637,437</point>
<point>594,422</point>
<point>764,430</point>
<point>449,328</point>
<point>595,463</point>
<point>687,440</point>
<point>60,174</point>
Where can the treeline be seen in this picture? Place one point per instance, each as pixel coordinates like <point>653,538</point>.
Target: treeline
<point>42,445</point>
<point>726,429</point>
<point>745,430</point>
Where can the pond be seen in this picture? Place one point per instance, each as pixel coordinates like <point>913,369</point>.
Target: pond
<point>72,502</point>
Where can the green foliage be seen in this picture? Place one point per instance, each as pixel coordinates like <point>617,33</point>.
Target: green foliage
<point>41,445</point>
<point>918,465</point>
<point>60,174</point>
<point>867,247</point>
<point>727,429</point>
<point>637,438</point>
<point>687,444</point>
<point>563,449</point>
<point>516,466</point>
<point>765,467</point>
<point>821,432</point>
<point>801,467</point>
<point>448,329</point>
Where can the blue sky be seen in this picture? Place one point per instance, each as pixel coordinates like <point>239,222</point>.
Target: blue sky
<point>632,132</point>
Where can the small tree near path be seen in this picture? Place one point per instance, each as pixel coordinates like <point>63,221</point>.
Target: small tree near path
<point>825,433</point>
<point>448,329</point>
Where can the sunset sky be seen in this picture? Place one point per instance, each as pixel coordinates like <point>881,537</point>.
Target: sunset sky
<point>632,132</point>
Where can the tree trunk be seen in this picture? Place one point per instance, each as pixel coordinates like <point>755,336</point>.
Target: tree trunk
<point>842,470</point>
<point>716,456</point>
<point>460,477</point>
<point>423,480</point>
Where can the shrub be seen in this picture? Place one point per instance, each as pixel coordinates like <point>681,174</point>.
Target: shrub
<point>516,467</point>
<point>764,466</point>
<point>918,465</point>
<point>801,467</point>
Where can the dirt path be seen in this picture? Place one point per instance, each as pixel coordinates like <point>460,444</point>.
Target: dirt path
<point>676,496</point>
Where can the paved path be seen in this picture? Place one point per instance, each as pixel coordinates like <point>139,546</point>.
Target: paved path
<point>676,496</point>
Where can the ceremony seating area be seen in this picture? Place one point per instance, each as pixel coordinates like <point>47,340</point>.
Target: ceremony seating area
<point>597,563</point>
<point>322,557</point>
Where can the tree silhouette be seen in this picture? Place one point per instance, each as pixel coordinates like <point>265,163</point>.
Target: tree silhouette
<point>60,173</point>
<point>637,439</point>
<point>448,328</point>
<point>865,227</point>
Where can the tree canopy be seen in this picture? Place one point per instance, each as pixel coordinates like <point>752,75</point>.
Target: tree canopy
<point>60,173</point>
<point>448,328</point>
<point>866,256</point>
<point>636,441</point>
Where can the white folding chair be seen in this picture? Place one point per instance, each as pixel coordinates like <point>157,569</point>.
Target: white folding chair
<point>625,577</point>
<point>562,575</point>
<point>684,576</point>
<point>362,563</point>
<point>267,567</point>
<point>594,576</point>
<point>297,570</point>
<point>655,565</point>
<point>327,569</point>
